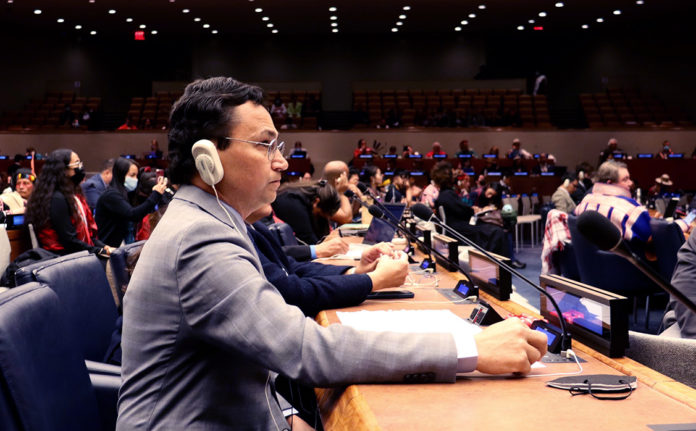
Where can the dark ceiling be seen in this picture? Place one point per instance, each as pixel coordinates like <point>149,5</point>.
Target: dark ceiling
<point>312,17</point>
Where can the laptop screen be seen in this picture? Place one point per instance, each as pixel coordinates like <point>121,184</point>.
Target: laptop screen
<point>396,210</point>
<point>379,231</point>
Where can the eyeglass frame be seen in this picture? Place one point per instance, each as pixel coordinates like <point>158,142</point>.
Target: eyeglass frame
<point>75,165</point>
<point>280,147</point>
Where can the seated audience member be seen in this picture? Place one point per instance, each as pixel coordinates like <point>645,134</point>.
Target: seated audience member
<point>336,174</point>
<point>436,151</point>
<point>397,190</point>
<point>545,163</point>
<point>155,152</point>
<point>495,231</point>
<point>113,209</point>
<point>195,351</point>
<point>294,110</point>
<point>297,149</point>
<point>353,176</point>
<point>663,186</point>
<point>22,184</point>
<point>665,150</point>
<point>315,286</point>
<point>60,214</point>
<point>611,196</point>
<point>583,172</point>
<point>372,177</point>
<point>611,151</point>
<point>464,149</point>
<point>432,190</point>
<point>307,208</point>
<point>96,184</point>
<point>562,197</point>
<point>517,152</point>
<point>679,321</point>
<point>128,125</point>
<point>392,151</point>
<point>457,213</point>
<point>408,151</point>
<point>362,149</point>
<point>279,112</point>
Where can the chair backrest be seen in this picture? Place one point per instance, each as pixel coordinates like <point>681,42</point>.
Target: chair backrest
<point>669,356</point>
<point>119,266</point>
<point>80,282</point>
<point>32,236</point>
<point>284,233</point>
<point>526,205</point>
<point>668,239</point>
<point>606,270</point>
<point>441,213</point>
<point>5,250</point>
<point>44,378</point>
<point>513,202</point>
<point>660,205</point>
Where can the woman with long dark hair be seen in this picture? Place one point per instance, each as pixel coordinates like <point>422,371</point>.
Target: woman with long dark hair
<point>113,209</point>
<point>307,208</point>
<point>60,214</point>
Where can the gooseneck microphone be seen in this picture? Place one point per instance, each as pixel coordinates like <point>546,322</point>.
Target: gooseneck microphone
<point>425,213</point>
<point>366,191</point>
<point>601,232</point>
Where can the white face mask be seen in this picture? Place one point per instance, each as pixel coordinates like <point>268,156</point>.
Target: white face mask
<point>131,183</point>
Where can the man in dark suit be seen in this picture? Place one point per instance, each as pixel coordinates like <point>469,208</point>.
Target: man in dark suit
<point>96,184</point>
<point>205,333</point>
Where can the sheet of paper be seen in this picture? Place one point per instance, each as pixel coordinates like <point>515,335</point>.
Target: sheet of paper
<point>420,321</point>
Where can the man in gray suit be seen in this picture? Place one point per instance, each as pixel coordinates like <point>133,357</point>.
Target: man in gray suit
<point>204,333</point>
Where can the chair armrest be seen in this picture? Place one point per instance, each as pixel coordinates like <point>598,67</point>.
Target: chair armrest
<point>106,390</point>
<point>103,368</point>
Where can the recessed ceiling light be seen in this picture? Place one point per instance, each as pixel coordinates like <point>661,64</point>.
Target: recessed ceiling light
<point>61,20</point>
<point>185,10</point>
<point>37,11</point>
<point>269,25</point>
<point>78,27</point>
<point>93,32</point>
<point>472,15</point>
<point>258,10</point>
<point>142,26</point>
<point>333,17</point>
<point>520,27</point>
<point>394,30</point>
<point>464,22</point>
<point>559,4</point>
<point>10,1</point>
<point>600,19</point>
<point>531,21</point>
<point>91,1</point>
<point>399,23</point>
<point>617,12</point>
<point>639,2</point>
<point>585,26</point>
<point>215,31</point>
<point>407,8</point>
<point>482,6</point>
<point>457,29</point>
<point>112,11</point>
<point>274,31</point>
<point>197,19</point>
<point>332,9</point>
<point>334,24</point>
<point>206,25</point>
<point>265,18</point>
<point>153,32</point>
<point>335,30</point>
<point>402,16</point>
<point>172,1</point>
<point>542,14</point>
<point>129,19</point>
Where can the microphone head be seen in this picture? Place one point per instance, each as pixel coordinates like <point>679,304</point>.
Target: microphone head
<point>349,194</point>
<point>422,211</point>
<point>599,230</point>
<point>362,187</point>
<point>375,211</point>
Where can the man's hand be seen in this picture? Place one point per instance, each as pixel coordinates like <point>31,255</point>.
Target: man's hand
<point>369,257</point>
<point>389,272</point>
<point>509,347</point>
<point>331,247</point>
<point>341,183</point>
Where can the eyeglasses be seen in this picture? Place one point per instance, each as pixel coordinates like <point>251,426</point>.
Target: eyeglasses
<point>76,165</point>
<point>272,146</point>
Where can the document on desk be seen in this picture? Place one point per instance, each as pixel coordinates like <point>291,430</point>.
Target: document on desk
<point>421,321</point>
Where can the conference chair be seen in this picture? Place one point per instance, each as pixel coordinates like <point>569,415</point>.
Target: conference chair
<point>611,272</point>
<point>284,233</point>
<point>526,218</point>
<point>672,357</point>
<point>119,268</point>
<point>44,384</point>
<point>5,250</point>
<point>80,282</point>
<point>667,239</point>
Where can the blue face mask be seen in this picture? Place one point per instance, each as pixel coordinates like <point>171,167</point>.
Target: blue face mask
<point>130,184</point>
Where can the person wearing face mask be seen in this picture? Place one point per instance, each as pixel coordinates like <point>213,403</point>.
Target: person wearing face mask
<point>58,210</point>
<point>113,209</point>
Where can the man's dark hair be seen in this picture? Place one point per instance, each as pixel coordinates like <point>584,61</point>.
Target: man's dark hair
<point>120,170</point>
<point>442,175</point>
<point>329,200</point>
<point>204,112</point>
<point>107,165</point>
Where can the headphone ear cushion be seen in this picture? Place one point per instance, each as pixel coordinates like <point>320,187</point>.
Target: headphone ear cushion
<point>207,162</point>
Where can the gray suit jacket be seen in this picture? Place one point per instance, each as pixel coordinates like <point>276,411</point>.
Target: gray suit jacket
<point>203,331</point>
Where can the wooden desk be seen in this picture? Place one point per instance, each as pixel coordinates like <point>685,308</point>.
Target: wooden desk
<point>502,402</point>
<point>19,242</point>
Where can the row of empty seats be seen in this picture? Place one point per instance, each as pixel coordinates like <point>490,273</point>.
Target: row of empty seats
<point>46,112</point>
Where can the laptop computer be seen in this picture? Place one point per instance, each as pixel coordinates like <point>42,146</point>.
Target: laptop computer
<point>378,231</point>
